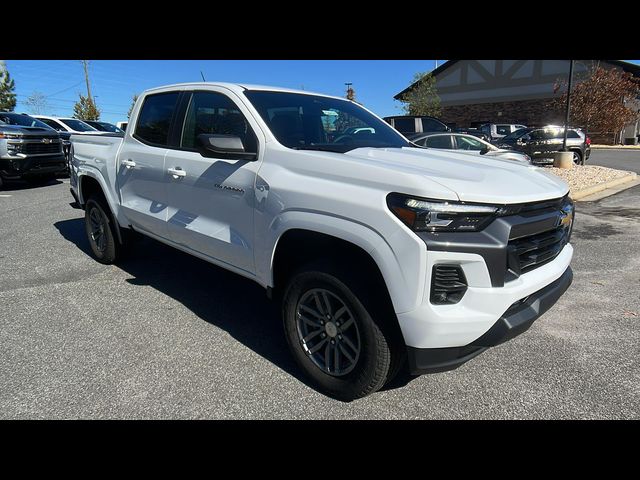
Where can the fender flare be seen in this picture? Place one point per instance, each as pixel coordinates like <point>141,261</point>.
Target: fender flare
<point>404,292</point>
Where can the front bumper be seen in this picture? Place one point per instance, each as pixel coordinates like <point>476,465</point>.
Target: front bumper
<point>514,321</point>
<point>25,167</point>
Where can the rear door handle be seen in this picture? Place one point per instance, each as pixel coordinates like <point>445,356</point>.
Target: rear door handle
<point>128,163</point>
<point>177,172</point>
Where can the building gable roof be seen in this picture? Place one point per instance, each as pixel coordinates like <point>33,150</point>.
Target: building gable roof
<point>626,66</point>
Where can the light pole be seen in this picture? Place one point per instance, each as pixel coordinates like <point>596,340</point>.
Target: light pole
<point>566,118</point>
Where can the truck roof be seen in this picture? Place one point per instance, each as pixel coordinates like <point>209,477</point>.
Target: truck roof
<point>240,87</point>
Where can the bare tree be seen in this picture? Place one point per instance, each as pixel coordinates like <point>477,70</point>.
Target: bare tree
<point>37,103</point>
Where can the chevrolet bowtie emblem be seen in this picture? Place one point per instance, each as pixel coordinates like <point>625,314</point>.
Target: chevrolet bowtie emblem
<point>46,140</point>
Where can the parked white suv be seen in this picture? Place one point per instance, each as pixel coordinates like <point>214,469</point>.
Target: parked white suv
<point>63,124</point>
<point>381,254</point>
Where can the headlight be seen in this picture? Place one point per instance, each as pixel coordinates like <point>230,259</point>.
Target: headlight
<point>441,216</point>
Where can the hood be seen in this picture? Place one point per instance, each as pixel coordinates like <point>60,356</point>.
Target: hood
<point>473,178</point>
<point>28,131</point>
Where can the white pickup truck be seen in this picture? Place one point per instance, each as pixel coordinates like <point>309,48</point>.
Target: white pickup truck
<point>383,254</point>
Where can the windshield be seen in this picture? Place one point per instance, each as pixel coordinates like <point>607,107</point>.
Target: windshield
<point>311,122</point>
<point>22,120</point>
<point>514,135</point>
<point>77,125</point>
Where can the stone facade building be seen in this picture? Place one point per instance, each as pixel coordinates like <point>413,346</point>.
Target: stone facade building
<point>473,92</point>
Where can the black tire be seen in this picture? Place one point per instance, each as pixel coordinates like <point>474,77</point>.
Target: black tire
<point>378,345</point>
<point>577,157</point>
<point>104,245</point>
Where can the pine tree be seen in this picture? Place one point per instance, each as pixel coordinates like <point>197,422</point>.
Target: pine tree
<point>7,87</point>
<point>423,98</point>
<point>86,109</point>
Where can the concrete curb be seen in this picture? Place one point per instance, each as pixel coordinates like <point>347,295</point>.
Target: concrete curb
<point>615,147</point>
<point>585,192</point>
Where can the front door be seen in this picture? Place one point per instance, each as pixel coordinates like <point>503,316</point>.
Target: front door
<point>211,200</point>
<point>141,175</point>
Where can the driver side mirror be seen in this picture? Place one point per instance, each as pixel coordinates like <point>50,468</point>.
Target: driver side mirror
<point>485,150</point>
<point>224,146</point>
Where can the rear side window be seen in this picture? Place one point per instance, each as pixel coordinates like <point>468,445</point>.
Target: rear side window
<point>53,124</point>
<point>572,134</point>
<point>503,129</point>
<point>405,125</point>
<point>430,125</point>
<point>439,141</point>
<point>155,118</point>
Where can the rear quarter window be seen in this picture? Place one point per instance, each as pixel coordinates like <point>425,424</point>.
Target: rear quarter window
<point>405,125</point>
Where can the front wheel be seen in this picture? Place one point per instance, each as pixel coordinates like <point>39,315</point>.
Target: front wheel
<point>333,337</point>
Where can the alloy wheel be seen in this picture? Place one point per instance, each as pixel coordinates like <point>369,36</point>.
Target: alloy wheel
<point>328,332</point>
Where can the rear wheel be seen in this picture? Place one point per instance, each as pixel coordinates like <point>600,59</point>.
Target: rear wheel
<point>334,338</point>
<point>100,231</point>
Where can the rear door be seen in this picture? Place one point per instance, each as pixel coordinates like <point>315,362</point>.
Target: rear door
<point>211,200</point>
<point>141,176</point>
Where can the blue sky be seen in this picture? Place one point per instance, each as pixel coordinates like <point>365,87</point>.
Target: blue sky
<point>113,82</point>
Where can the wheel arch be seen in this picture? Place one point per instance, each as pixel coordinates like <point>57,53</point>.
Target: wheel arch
<point>89,185</point>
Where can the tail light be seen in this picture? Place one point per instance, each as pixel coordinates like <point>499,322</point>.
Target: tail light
<point>588,141</point>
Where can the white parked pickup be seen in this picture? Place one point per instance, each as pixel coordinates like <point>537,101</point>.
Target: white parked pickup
<point>384,257</point>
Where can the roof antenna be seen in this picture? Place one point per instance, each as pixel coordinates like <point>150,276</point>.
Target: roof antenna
<point>202,75</point>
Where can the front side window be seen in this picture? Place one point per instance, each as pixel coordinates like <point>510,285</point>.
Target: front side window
<point>53,124</point>
<point>312,122</point>
<point>155,118</point>
<point>439,141</point>
<point>469,143</point>
<point>214,113</point>
<point>77,125</point>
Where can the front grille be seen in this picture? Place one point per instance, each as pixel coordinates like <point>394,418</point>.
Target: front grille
<point>448,284</point>
<point>528,253</point>
<point>41,148</point>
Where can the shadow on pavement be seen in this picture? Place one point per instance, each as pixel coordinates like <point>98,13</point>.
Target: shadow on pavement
<point>230,302</point>
<point>12,185</point>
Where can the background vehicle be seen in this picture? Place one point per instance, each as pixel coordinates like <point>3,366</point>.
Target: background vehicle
<point>472,131</point>
<point>539,142</point>
<point>496,131</point>
<point>72,125</point>
<point>408,124</point>
<point>122,126</point>
<point>29,149</point>
<point>103,126</point>
<point>381,254</point>
<point>467,144</point>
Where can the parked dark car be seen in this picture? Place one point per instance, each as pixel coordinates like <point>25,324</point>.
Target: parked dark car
<point>104,126</point>
<point>29,149</point>
<point>408,124</point>
<point>539,142</point>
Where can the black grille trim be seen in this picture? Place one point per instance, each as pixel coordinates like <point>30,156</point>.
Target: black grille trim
<point>528,253</point>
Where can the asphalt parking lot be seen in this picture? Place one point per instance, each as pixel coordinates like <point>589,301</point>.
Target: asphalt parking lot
<point>164,335</point>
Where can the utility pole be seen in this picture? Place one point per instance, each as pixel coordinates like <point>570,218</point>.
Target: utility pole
<point>566,118</point>
<point>85,64</point>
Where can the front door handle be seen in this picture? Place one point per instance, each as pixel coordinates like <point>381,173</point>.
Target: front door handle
<point>177,172</point>
<point>128,163</point>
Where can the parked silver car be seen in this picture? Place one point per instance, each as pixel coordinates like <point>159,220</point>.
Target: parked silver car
<point>497,131</point>
<point>464,143</point>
